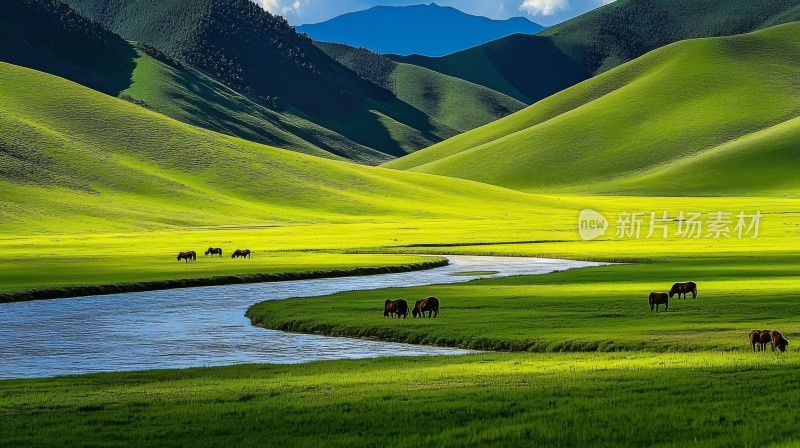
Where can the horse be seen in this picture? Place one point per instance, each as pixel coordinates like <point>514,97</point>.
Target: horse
<point>755,339</point>
<point>392,307</point>
<point>683,289</point>
<point>188,256</point>
<point>244,253</point>
<point>779,341</point>
<point>214,251</point>
<point>657,298</point>
<point>764,338</point>
<point>431,305</point>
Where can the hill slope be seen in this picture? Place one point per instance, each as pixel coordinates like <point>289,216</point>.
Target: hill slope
<point>456,103</point>
<point>430,30</point>
<point>261,57</point>
<point>600,40</point>
<point>47,35</point>
<point>722,101</point>
<point>72,158</point>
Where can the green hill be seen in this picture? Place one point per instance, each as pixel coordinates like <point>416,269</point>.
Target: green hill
<point>72,158</point>
<point>456,103</point>
<point>530,68</point>
<point>260,56</point>
<point>698,116</point>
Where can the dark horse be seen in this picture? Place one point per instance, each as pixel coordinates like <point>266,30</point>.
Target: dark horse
<point>214,251</point>
<point>431,305</point>
<point>779,341</point>
<point>188,256</point>
<point>392,307</point>
<point>760,339</point>
<point>244,253</point>
<point>683,289</point>
<point>658,298</point>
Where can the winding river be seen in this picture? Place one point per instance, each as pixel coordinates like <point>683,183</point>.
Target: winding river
<point>205,326</point>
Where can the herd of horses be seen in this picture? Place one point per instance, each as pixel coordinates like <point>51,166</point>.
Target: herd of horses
<point>758,338</point>
<point>662,298</point>
<point>192,255</point>
<point>399,308</point>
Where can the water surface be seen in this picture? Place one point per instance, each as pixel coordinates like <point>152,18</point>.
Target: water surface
<point>205,326</point>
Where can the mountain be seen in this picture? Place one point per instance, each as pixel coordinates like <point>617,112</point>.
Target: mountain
<point>239,61</point>
<point>530,68</point>
<point>72,158</point>
<point>711,116</point>
<point>430,30</point>
<point>49,36</point>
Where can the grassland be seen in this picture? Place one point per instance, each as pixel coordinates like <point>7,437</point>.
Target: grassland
<point>699,107</point>
<point>699,399</point>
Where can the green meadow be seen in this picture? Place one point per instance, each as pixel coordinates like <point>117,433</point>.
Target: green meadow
<point>97,191</point>
<point>567,399</point>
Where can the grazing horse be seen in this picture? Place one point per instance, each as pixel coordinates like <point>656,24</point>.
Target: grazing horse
<point>779,341</point>
<point>764,338</point>
<point>657,298</point>
<point>392,307</point>
<point>214,251</point>
<point>431,305</point>
<point>244,253</point>
<point>755,339</point>
<point>683,289</point>
<point>188,256</point>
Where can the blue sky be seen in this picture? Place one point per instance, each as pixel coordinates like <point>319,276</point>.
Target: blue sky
<point>544,12</point>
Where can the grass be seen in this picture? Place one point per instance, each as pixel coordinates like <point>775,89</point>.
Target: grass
<point>709,106</point>
<point>702,399</point>
<point>595,309</point>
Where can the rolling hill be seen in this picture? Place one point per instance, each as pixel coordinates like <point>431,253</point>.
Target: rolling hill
<point>279,88</point>
<point>72,158</point>
<point>456,103</point>
<point>530,68</point>
<point>709,116</point>
<point>429,30</point>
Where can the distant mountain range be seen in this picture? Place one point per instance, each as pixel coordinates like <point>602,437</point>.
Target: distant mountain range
<point>429,30</point>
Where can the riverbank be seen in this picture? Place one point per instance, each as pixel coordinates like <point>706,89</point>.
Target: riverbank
<point>92,290</point>
<point>586,310</point>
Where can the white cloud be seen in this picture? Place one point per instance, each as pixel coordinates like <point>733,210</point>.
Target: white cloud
<point>543,7</point>
<point>282,7</point>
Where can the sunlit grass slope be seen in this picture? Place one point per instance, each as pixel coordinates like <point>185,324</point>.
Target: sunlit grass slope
<point>652,126</point>
<point>459,104</point>
<point>193,97</point>
<point>76,160</point>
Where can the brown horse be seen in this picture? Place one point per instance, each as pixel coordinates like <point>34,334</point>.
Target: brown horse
<point>658,298</point>
<point>244,253</point>
<point>755,340</point>
<point>683,289</point>
<point>214,251</point>
<point>764,338</point>
<point>431,305</point>
<point>392,307</point>
<point>779,341</point>
<point>188,256</point>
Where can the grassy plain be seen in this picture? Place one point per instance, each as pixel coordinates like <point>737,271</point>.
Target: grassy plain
<point>567,399</point>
